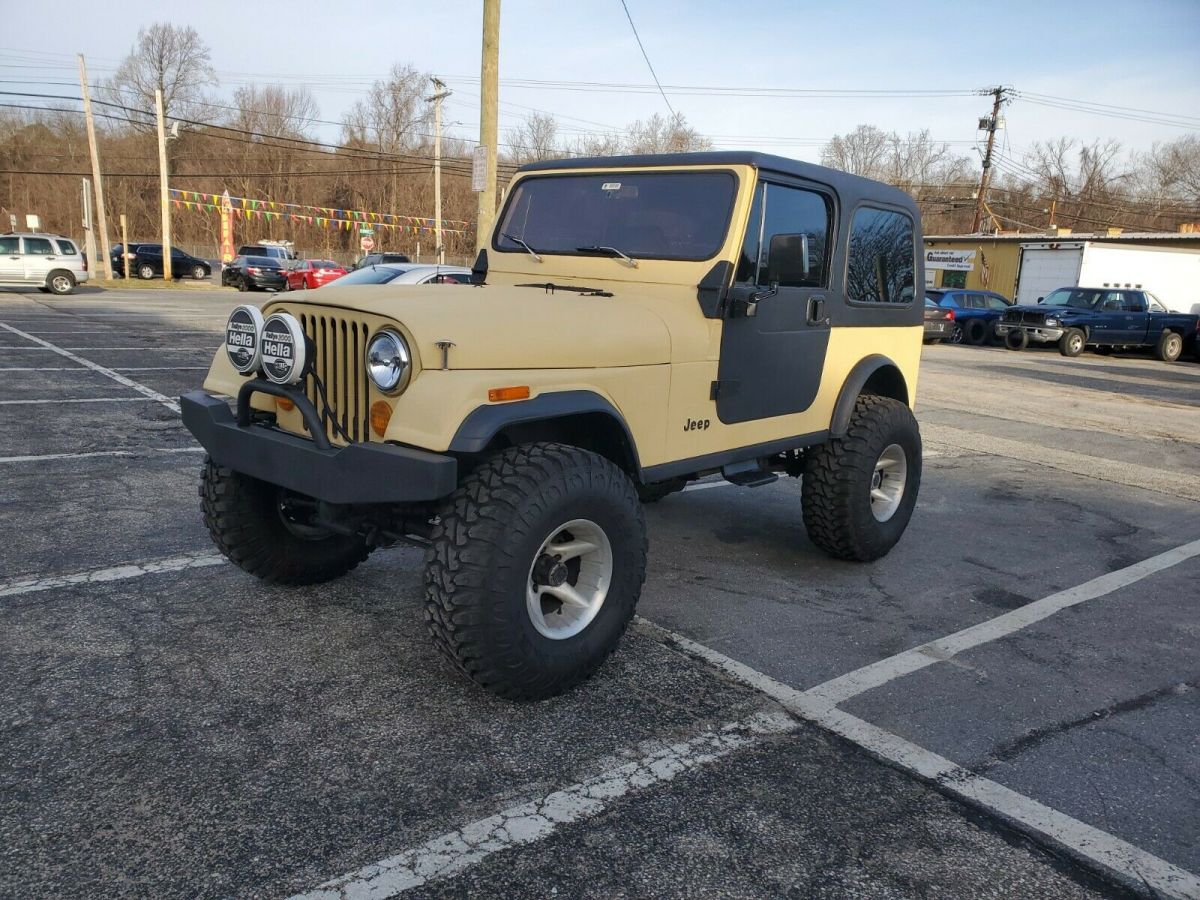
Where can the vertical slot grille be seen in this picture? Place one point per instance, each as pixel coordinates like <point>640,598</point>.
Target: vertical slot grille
<point>340,356</point>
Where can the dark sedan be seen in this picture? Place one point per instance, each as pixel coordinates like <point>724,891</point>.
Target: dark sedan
<point>254,273</point>
<point>146,261</point>
<point>939,322</point>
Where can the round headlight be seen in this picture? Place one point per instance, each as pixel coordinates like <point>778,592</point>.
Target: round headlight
<point>284,352</point>
<point>388,362</point>
<point>243,338</point>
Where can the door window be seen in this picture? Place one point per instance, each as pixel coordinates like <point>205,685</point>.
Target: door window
<point>1134,301</point>
<point>995,303</point>
<point>882,255</point>
<point>787,238</point>
<point>38,247</point>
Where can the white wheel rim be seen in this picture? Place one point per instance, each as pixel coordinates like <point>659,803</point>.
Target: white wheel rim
<point>61,283</point>
<point>1076,343</point>
<point>569,579</point>
<point>888,481</point>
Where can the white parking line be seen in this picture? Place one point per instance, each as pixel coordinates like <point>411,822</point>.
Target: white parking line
<point>160,368</point>
<point>96,367</point>
<point>52,401</point>
<point>46,457</point>
<point>1128,863</point>
<point>449,853</point>
<point>869,677</point>
<point>112,573</point>
<point>41,368</point>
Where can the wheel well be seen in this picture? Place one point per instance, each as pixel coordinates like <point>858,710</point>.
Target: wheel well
<point>886,381</point>
<point>595,431</point>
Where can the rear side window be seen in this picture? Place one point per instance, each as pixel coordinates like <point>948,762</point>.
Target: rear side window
<point>10,245</point>
<point>882,257</point>
<point>38,247</point>
<point>66,248</point>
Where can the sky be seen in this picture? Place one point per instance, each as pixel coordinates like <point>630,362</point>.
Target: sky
<point>1140,56</point>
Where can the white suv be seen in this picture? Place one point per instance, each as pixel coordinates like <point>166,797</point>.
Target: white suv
<point>48,261</point>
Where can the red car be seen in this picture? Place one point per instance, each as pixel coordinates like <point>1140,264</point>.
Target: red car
<point>312,273</point>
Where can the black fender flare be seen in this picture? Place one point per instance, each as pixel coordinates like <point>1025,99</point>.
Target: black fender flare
<point>485,422</point>
<point>855,382</point>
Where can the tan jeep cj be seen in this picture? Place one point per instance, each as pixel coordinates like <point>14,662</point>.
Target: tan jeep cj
<point>635,323</point>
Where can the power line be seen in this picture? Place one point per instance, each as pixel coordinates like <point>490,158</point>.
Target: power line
<point>646,57</point>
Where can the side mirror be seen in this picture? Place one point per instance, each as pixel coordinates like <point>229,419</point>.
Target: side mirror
<point>787,259</point>
<point>1040,299</point>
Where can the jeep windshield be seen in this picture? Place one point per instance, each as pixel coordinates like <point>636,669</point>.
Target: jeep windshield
<point>645,215</point>
<point>1078,298</point>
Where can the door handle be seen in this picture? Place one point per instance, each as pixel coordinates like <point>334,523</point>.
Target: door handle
<point>816,311</point>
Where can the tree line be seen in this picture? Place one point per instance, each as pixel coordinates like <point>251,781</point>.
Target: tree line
<point>263,144</point>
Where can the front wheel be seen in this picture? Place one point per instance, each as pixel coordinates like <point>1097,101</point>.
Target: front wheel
<point>61,282</point>
<point>1169,347</point>
<point>1071,343</point>
<point>268,531</point>
<point>859,490</point>
<point>534,569</point>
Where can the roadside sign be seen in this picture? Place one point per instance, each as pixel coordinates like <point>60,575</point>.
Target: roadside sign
<point>365,229</point>
<point>479,169</point>
<point>367,242</point>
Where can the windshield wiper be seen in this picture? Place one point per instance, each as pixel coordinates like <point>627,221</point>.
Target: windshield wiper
<point>611,251</point>
<point>517,240</point>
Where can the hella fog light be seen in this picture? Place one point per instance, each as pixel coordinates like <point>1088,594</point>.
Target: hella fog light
<point>284,352</point>
<point>388,362</point>
<point>243,338</point>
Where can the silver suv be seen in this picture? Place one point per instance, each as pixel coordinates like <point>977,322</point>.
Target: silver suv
<point>48,261</point>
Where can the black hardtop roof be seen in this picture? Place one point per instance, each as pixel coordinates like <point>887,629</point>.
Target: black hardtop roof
<point>843,182</point>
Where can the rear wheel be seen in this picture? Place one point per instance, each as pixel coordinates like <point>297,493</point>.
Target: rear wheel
<point>268,532</point>
<point>145,272</point>
<point>1016,339</point>
<point>975,331</point>
<point>859,490</point>
<point>534,569</point>
<point>304,284</point>
<point>198,273</point>
<point>243,285</point>
<point>1072,342</point>
<point>1169,347</point>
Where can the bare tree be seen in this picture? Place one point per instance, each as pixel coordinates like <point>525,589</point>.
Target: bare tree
<point>534,139</point>
<point>394,116</point>
<point>165,57</point>
<point>274,111</point>
<point>864,151</point>
<point>665,135</point>
<point>1172,169</point>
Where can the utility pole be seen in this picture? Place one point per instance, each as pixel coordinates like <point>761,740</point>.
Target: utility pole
<point>125,244</point>
<point>89,233</point>
<point>992,124</point>
<point>440,94</point>
<point>489,84</point>
<point>106,262</point>
<point>164,189</point>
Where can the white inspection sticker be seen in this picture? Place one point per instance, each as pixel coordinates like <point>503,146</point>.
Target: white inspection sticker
<point>611,186</point>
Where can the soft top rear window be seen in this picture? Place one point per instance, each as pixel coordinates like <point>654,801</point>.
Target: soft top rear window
<point>643,215</point>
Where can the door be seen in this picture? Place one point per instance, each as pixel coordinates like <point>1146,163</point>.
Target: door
<point>12,269</point>
<point>1044,269</point>
<point>1137,317</point>
<point>776,330</point>
<point>39,258</point>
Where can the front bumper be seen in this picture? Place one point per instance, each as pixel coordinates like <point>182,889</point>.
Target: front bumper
<point>358,473</point>
<point>1037,333</point>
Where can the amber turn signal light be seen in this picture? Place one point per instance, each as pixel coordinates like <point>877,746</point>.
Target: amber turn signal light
<point>497,395</point>
<point>381,414</point>
<point>285,404</point>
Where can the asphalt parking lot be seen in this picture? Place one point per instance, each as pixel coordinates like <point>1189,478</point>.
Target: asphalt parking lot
<point>1008,705</point>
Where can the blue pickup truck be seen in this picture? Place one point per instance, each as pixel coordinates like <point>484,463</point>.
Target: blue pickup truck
<point>1106,318</point>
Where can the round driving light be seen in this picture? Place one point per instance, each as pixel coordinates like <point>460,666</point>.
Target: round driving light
<point>284,353</point>
<point>243,338</point>
<point>388,362</point>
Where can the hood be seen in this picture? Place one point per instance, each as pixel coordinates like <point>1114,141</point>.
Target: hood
<point>503,327</point>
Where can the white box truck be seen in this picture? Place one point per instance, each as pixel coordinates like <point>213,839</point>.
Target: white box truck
<point>1172,275</point>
